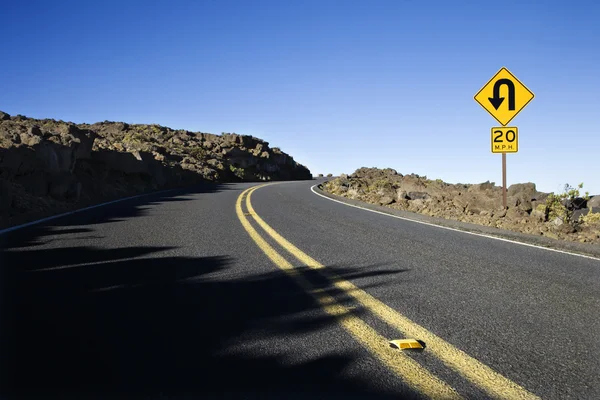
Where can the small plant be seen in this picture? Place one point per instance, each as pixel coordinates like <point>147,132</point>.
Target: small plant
<point>239,172</point>
<point>563,205</point>
<point>590,218</point>
<point>134,138</point>
<point>381,183</point>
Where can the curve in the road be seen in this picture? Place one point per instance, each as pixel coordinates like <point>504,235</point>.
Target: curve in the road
<point>493,383</point>
<point>409,370</point>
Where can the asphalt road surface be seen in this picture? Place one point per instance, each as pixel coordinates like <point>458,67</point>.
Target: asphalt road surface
<point>243,291</point>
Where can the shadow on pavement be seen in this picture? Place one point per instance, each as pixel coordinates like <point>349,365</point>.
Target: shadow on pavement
<point>116,212</point>
<point>133,322</point>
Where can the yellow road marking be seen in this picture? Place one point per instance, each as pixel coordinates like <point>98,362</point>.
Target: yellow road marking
<point>411,372</point>
<point>478,373</point>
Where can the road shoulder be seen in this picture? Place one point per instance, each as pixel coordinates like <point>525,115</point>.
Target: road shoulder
<point>572,247</point>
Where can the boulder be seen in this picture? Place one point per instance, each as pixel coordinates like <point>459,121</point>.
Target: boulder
<point>410,183</point>
<point>575,204</point>
<point>32,137</point>
<point>85,139</point>
<point>209,137</point>
<point>418,195</point>
<point>34,130</point>
<point>215,164</point>
<point>478,202</point>
<point>9,138</point>
<point>538,215</point>
<point>401,194</point>
<point>109,129</point>
<point>524,189</point>
<point>4,116</point>
<point>386,199</point>
<point>232,138</point>
<point>594,202</point>
<point>558,221</point>
<point>520,200</point>
<point>482,187</point>
<point>583,212</point>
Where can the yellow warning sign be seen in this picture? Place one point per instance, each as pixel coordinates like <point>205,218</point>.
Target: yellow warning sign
<point>504,96</point>
<point>505,139</point>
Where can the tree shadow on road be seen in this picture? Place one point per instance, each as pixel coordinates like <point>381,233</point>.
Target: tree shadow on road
<point>135,322</point>
<point>162,325</point>
<point>83,222</point>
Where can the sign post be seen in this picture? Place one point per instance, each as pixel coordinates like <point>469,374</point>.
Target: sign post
<point>505,140</point>
<point>492,98</point>
<point>504,180</point>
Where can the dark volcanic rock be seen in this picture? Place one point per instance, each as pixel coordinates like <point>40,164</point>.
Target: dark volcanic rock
<point>481,203</point>
<point>45,163</point>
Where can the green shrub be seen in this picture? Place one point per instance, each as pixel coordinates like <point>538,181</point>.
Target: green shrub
<point>590,218</point>
<point>135,137</point>
<point>239,172</point>
<point>381,183</point>
<point>555,203</point>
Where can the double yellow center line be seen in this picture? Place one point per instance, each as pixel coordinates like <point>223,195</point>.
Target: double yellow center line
<point>410,371</point>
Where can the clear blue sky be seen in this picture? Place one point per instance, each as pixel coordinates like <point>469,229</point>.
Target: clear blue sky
<point>337,84</point>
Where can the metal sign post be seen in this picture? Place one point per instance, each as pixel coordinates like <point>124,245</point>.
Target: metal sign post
<point>505,140</point>
<point>504,180</point>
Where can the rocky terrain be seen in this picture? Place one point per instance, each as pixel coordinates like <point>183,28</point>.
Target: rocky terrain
<point>571,217</point>
<point>49,166</point>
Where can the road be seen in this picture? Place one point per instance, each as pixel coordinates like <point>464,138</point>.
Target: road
<point>272,291</point>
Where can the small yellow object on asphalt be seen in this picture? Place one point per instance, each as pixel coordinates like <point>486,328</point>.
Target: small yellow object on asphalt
<point>406,344</point>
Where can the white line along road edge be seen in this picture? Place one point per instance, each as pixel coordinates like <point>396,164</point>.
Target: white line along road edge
<point>454,229</point>
<point>39,221</point>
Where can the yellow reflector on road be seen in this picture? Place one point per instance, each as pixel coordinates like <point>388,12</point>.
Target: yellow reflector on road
<point>406,344</point>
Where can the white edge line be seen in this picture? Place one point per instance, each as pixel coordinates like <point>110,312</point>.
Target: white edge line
<point>39,221</point>
<point>454,229</point>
